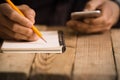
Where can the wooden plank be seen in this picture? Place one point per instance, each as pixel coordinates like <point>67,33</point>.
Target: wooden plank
<point>15,66</point>
<point>116,47</point>
<point>94,58</point>
<point>55,66</point>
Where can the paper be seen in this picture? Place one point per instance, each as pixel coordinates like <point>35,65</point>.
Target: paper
<point>39,46</point>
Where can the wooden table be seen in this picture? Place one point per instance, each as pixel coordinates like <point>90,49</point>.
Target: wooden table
<point>87,57</point>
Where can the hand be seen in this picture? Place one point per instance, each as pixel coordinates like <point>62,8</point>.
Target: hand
<point>94,4</point>
<point>109,16</point>
<point>15,26</point>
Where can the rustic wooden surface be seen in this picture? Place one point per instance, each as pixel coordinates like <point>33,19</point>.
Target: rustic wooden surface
<point>87,57</point>
<point>55,66</point>
<point>115,34</point>
<point>94,58</point>
<point>15,66</point>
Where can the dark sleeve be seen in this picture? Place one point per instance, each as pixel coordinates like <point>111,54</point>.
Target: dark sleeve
<point>17,2</point>
<point>2,1</point>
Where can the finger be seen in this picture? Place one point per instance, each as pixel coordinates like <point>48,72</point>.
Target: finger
<point>3,20</point>
<point>111,14</point>
<point>14,16</point>
<point>34,37</point>
<point>93,5</point>
<point>88,28</point>
<point>103,19</point>
<point>95,21</point>
<point>97,29</point>
<point>21,29</point>
<point>28,12</point>
<point>77,25</point>
<point>16,36</point>
<point>3,35</point>
<point>17,28</point>
<point>20,36</point>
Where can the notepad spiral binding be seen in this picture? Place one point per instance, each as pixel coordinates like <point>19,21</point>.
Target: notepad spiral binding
<point>61,40</point>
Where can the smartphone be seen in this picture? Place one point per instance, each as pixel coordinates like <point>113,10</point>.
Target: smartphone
<point>85,14</point>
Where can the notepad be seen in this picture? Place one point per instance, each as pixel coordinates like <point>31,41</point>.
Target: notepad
<point>55,44</point>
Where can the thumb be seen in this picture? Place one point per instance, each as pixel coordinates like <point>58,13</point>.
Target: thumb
<point>93,5</point>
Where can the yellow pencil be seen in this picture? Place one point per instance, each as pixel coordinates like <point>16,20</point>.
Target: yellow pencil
<point>33,27</point>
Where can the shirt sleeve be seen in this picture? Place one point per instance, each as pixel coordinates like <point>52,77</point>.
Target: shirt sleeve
<point>2,1</point>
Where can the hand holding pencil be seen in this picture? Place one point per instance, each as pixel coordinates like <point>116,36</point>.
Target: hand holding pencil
<point>15,26</point>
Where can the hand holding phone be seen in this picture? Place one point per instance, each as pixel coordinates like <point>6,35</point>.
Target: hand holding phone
<point>85,14</point>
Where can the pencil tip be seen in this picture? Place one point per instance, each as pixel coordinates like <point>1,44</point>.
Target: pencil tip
<point>43,39</point>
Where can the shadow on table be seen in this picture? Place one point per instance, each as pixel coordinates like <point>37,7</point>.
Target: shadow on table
<point>23,76</point>
<point>12,76</point>
<point>49,77</point>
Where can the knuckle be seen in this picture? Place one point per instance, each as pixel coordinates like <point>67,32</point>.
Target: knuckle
<point>102,21</point>
<point>90,5</point>
<point>107,22</point>
<point>3,7</point>
<point>28,24</point>
<point>31,39</point>
<point>15,28</point>
<point>16,36</point>
<point>12,15</point>
<point>70,24</point>
<point>32,12</point>
<point>24,6</point>
<point>29,32</point>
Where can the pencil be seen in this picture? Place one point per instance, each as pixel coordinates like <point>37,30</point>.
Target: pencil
<point>33,27</point>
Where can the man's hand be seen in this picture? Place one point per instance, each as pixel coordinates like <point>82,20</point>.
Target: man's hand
<point>109,16</point>
<point>15,26</point>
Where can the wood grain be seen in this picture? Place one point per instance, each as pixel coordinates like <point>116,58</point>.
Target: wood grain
<point>94,58</point>
<point>115,34</point>
<point>55,66</point>
<point>15,66</point>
